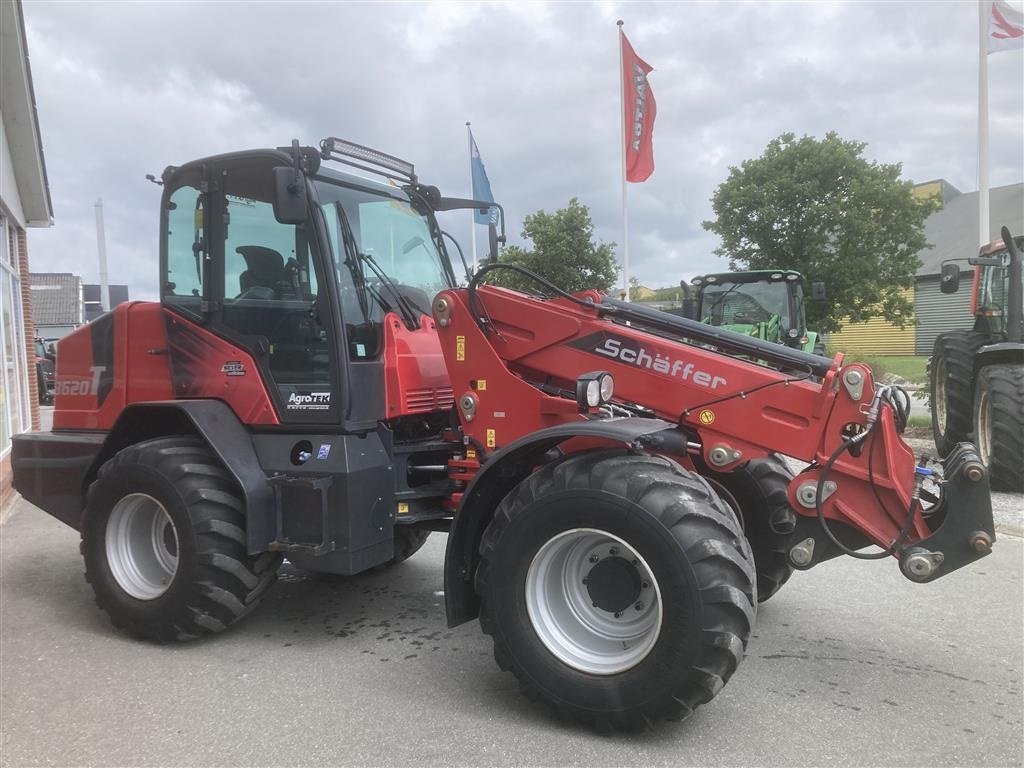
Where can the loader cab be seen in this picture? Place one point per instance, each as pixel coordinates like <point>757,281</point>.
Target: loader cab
<point>306,297</point>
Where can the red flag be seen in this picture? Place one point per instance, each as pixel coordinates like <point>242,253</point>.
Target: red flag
<point>640,110</point>
<point>1005,27</point>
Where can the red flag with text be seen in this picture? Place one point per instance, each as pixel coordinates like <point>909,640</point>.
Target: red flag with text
<point>640,110</point>
<point>1005,27</point>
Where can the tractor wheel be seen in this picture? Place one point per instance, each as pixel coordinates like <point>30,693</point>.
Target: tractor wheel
<point>164,542</point>
<point>950,376</point>
<point>616,587</point>
<point>820,349</point>
<point>999,424</point>
<point>408,541</point>
<point>757,492</point>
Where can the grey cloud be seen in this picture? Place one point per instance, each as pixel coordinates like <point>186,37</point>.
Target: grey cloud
<point>125,89</point>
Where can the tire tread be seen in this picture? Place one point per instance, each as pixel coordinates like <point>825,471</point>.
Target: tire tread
<point>699,521</point>
<point>227,583</point>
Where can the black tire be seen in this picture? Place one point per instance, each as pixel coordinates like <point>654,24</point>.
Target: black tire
<point>950,379</point>
<point>701,567</point>
<point>213,582</point>
<point>408,541</point>
<point>999,424</point>
<point>759,492</point>
<point>820,349</point>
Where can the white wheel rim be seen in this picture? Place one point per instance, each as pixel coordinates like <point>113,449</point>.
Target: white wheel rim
<point>589,637</point>
<point>940,395</point>
<point>984,427</point>
<point>142,546</point>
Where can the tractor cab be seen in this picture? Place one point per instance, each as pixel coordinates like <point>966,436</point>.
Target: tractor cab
<point>325,278</point>
<point>994,303</point>
<point>765,304</point>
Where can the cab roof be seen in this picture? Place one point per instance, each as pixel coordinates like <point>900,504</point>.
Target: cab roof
<point>751,276</point>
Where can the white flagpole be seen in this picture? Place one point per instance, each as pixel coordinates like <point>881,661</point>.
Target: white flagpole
<point>984,11</point>
<point>472,214</point>
<point>625,217</point>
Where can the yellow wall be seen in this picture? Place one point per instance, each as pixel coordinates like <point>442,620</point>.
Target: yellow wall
<point>928,189</point>
<point>875,337</point>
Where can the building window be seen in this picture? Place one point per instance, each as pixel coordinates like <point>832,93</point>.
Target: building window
<point>14,378</point>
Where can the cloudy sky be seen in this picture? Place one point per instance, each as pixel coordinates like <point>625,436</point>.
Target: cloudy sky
<point>125,89</point>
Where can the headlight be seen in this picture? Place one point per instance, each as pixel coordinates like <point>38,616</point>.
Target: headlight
<point>594,389</point>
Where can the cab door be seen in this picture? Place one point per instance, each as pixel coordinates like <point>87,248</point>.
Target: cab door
<point>233,268</point>
<point>271,291</point>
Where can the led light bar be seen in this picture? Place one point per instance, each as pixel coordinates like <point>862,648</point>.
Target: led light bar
<point>339,149</point>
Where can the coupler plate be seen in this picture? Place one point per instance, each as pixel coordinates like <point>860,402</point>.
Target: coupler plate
<point>963,528</point>
<point>961,525</point>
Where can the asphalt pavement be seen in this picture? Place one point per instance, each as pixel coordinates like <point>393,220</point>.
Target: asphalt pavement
<point>850,664</point>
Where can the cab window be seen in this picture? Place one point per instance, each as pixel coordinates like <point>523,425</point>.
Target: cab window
<point>184,219</point>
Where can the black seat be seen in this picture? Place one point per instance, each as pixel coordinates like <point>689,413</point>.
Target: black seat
<point>264,272</point>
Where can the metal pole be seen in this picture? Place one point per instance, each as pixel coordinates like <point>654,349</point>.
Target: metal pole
<point>472,214</point>
<point>101,247</point>
<point>625,216</point>
<point>984,9</point>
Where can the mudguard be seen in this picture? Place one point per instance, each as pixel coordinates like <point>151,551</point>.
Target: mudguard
<point>503,470</point>
<point>217,424</point>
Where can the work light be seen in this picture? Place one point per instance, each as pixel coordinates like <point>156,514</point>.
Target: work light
<point>594,389</point>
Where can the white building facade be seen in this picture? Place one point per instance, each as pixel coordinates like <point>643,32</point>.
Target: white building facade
<point>24,203</point>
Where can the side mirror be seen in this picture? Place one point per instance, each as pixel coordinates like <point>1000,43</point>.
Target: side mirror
<point>950,280</point>
<point>492,241</point>
<point>818,291</point>
<point>290,204</point>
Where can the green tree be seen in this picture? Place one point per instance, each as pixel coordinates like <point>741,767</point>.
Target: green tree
<point>821,208</point>
<point>563,252</point>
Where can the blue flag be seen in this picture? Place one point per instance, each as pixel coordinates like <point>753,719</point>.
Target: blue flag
<point>481,185</point>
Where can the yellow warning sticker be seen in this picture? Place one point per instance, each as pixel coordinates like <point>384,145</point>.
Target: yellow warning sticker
<point>706,417</point>
<point>471,453</point>
<point>481,385</point>
<point>403,508</point>
<point>490,438</point>
<point>460,348</point>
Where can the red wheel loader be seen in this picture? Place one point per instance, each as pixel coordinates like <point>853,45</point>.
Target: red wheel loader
<point>314,384</point>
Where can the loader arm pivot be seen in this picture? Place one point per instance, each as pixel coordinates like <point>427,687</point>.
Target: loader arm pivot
<point>514,361</point>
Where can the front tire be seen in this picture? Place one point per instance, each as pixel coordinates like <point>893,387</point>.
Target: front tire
<point>999,424</point>
<point>164,542</point>
<point>950,376</point>
<point>669,601</point>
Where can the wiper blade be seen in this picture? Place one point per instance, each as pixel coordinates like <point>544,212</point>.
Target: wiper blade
<point>408,313</point>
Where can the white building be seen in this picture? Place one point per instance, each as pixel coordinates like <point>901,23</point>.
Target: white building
<point>24,202</point>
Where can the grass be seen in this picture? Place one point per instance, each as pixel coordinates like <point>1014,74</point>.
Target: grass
<point>909,367</point>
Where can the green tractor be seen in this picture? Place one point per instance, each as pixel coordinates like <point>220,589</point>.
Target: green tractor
<point>766,304</point>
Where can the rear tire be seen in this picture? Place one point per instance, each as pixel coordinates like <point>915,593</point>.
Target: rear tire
<point>759,490</point>
<point>164,542</point>
<point>999,424</point>
<point>950,376</point>
<point>612,652</point>
<point>408,541</point>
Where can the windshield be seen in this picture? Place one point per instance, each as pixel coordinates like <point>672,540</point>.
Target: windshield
<point>385,260</point>
<point>730,303</point>
<point>390,232</point>
<point>994,292</point>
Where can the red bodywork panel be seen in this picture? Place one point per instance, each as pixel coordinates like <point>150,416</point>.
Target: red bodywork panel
<point>141,352</point>
<point>552,342</point>
<point>415,377</point>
